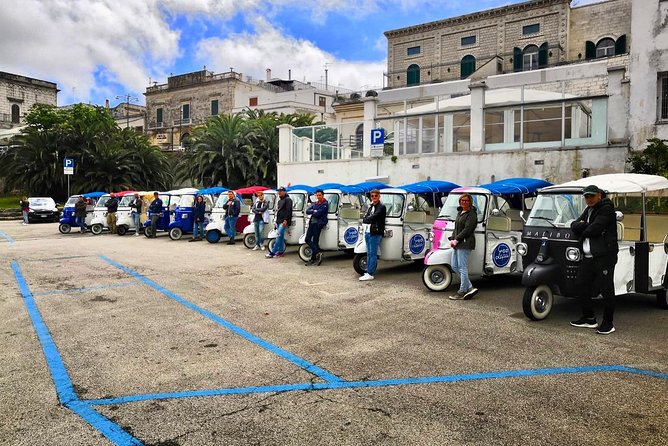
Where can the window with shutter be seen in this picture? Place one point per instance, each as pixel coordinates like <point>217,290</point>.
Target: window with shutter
<point>530,58</point>
<point>413,75</point>
<point>663,97</point>
<point>467,66</point>
<point>16,114</point>
<point>214,107</point>
<point>517,59</point>
<point>620,45</point>
<point>605,48</point>
<point>543,54</point>
<point>158,116</point>
<point>590,50</point>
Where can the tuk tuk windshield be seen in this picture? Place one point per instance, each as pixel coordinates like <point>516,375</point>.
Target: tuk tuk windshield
<point>449,210</point>
<point>297,201</point>
<point>102,201</point>
<point>126,199</point>
<point>271,199</point>
<point>71,202</point>
<point>394,204</point>
<point>332,202</point>
<point>556,210</point>
<point>187,201</point>
<point>222,199</point>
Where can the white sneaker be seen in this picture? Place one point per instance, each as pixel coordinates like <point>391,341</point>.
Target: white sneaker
<point>255,248</point>
<point>136,234</point>
<point>366,277</point>
<point>262,247</point>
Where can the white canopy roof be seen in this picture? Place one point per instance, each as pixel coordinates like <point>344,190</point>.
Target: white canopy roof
<point>620,183</point>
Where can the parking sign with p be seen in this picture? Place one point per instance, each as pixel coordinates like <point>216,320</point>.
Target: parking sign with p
<point>68,166</point>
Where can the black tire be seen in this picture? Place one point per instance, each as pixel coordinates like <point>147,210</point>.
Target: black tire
<point>661,299</point>
<point>305,252</point>
<point>360,263</point>
<point>65,228</point>
<point>175,233</point>
<point>121,230</point>
<point>96,229</point>
<point>437,277</point>
<point>213,236</point>
<point>272,245</point>
<point>148,231</point>
<point>537,302</point>
<point>249,240</point>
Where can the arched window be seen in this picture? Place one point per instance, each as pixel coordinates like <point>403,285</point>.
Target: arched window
<point>16,114</point>
<point>530,58</point>
<point>605,48</point>
<point>413,75</point>
<point>467,66</point>
<point>359,136</point>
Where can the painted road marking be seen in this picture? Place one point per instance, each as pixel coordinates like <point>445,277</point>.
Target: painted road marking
<point>304,364</point>
<point>87,289</point>
<point>7,237</point>
<point>379,383</point>
<point>61,379</point>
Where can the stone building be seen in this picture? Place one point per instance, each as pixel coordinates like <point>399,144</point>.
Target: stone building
<point>19,93</point>
<point>518,37</point>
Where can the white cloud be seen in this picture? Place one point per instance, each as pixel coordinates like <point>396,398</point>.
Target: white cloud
<point>252,54</point>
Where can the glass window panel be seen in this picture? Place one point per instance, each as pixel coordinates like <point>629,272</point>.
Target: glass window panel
<point>461,132</point>
<point>412,51</point>
<point>494,127</point>
<point>469,40</point>
<point>412,127</point>
<point>429,134</point>
<point>531,29</point>
<point>542,124</point>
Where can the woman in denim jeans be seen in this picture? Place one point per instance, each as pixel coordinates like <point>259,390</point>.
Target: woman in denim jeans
<point>199,212</point>
<point>462,241</point>
<point>260,212</point>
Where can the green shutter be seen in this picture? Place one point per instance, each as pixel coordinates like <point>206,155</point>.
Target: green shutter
<point>590,50</point>
<point>413,75</point>
<point>467,66</point>
<point>214,107</point>
<point>517,59</point>
<point>542,55</point>
<point>620,45</point>
<point>158,115</point>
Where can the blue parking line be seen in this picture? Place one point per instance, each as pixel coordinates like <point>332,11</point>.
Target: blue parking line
<point>85,290</point>
<point>304,364</point>
<point>379,383</point>
<point>7,237</point>
<point>61,379</point>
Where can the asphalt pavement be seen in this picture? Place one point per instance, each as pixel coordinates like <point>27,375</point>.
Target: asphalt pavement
<point>128,340</point>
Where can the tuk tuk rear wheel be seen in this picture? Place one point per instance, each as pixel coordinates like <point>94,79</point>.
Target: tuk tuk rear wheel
<point>212,236</point>
<point>305,252</point>
<point>175,233</point>
<point>437,277</point>
<point>537,302</point>
<point>249,241</point>
<point>272,245</point>
<point>122,230</point>
<point>64,228</point>
<point>360,263</point>
<point>661,299</point>
<point>148,231</point>
<point>96,229</point>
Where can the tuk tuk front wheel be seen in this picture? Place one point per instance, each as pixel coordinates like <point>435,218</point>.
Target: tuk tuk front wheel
<point>175,233</point>
<point>249,241</point>
<point>537,302</point>
<point>212,236</point>
<point>437,277</point>
<point>122,230</point>
<point>305,252</point>
<point>96,229</point>
<point>271,245</point>
<point>148,231</point>
<point>661,299</point>
<point>360,263</point>
<point>64,228</point>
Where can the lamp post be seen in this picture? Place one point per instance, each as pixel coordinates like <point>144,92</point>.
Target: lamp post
<point>127,97</point>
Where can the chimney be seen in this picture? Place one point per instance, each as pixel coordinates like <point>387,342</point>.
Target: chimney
<point>268,74</point>
<point>106,103</point>
<point>289,75</point>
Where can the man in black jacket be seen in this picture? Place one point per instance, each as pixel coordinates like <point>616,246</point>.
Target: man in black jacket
<point>283,222</point>
<point>80,213</point>
<point>597,229</point>
<point>374,229</point>
<point>112,207</point>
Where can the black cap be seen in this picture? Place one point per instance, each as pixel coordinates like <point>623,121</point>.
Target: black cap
<point>592,190</point>
<point>281,189</point>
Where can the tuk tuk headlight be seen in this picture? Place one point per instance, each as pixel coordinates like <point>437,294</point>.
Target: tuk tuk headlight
<point>573,254</point>
<point>522,249</point>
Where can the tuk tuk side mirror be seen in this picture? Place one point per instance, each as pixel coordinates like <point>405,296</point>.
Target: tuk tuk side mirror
<point>522,216</point>
<point>619,215</point>
<point>411,208</point>
<point>496,212</point>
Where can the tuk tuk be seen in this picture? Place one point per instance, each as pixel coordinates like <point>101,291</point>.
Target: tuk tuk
<point>68,220</point>
<point>300,198</point>
<point>499,206</point>
<point>249,231</point>
<point>552,252</point>
<point>183,222</point>
<point>124,221</point>
<point>170,201</point>
<point>99,221</point>
<point>343,218</point>
<point>215,229</point>
<point>411,211</point>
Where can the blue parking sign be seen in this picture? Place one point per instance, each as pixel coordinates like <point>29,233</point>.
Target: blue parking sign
<point>377,137</point>
<point>68,163</point>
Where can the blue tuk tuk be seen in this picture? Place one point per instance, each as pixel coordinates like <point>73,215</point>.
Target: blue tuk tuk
<point>68,220</point>
<point>183,214</point>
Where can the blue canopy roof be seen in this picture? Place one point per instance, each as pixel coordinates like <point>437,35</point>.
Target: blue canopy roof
<point>212,190</point>
<point>93,194</point>
<point>363,188</point>
<point>324,186</point>
<point>309,189</point>
<point>431,186</point>
<point>516,186</point>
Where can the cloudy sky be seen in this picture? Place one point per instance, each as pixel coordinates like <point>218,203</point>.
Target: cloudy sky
<point>98,49</point>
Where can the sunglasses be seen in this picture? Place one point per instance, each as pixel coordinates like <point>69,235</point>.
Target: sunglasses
<point>374,195</point>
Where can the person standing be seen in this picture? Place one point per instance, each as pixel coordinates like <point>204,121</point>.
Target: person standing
<point>136,206</point>
<point>283,222</point>
<point>260,212</point>
<point>155,211</point>
<point>597,229</point>
<point>374,229</point>
<point>199,211</point>
<point>80,213</point>
<point>25,209</point>
<point>232,209</point>
<point>318,212</point>
<point>112,207</point>
<point>462,241</point>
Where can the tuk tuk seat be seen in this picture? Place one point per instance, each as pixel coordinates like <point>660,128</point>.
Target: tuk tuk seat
<point>620,230</point>
<point>416,217</point>
<point>499,223</point>
<point>516,223</point>
<point>349,213</point>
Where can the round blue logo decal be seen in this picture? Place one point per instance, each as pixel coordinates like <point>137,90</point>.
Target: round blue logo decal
<point>501,255</point>
<point>351,236</point>
<point>416,244</point>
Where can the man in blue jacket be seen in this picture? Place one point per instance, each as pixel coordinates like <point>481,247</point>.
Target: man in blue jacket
<point>155,210</point>
<point>232,209</point>
<point>318,212</point>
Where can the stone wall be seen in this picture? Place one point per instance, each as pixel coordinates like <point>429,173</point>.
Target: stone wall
<point>596,21</point>
<point>24,92</point>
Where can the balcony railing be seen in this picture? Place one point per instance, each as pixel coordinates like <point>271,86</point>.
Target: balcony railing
<point>184,121</point>
<point>156,125</point>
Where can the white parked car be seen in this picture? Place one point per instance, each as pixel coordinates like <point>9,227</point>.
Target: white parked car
<point>43,209</point>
